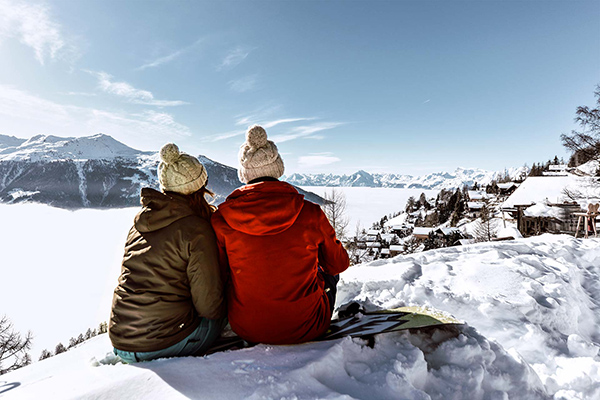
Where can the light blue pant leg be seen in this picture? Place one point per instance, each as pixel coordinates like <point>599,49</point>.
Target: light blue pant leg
<point>196,344</point>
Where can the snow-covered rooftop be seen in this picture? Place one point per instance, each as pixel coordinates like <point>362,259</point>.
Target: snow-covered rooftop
<point>419,230</point>
<point>477,195</point>
<point>448,231</point>
<point>543,210</point>
<point>536,189</point>
<point>475,205</point>
<point>507,185</point>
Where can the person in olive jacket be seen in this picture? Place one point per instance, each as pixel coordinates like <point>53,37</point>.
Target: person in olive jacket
<point>169,299</point>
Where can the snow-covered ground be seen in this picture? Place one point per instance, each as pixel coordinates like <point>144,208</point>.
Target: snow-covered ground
<point>532,309</point>
<point>368,205</point>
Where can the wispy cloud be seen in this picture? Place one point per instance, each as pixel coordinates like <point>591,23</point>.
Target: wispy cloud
<point>234,58</point>
<point>84,94</point>
<point>32,25</point>
<point>223,136</point>
<point>170,57</point>
<point>317,160</point>
<point>243,84</point>
<point>259,115</point>
<point>426,101</point>
<point>271,124</point>
<point>129,93</point>
<point>38,114</point>
<point>306,132</point>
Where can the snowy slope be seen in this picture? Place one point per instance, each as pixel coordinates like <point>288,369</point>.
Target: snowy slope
<point>532,308</point>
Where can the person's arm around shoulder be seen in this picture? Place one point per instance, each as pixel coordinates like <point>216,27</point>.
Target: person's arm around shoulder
<point>204,273</point>
<point>333,257</point>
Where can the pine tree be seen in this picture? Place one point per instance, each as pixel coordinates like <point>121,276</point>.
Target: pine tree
<point>45,354</point>
<point>411,205</point>
<point>485,230</point>
<point>423,202</point>
<point>60,348</point>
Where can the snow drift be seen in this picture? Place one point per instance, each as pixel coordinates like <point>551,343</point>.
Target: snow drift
<point>531,307</point>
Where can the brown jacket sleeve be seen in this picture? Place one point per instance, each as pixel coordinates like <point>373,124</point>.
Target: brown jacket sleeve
<point>333,258</point>
<point>204,275</point>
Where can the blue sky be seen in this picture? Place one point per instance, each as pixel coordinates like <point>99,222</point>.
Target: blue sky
<point>407,87</point>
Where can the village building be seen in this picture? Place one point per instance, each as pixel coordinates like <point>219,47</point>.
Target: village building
<point>477,195</point>
<point>506,189</point>
<point>475,208</point>
<point>396,249</point>
<point>421,233</point>
<point>373,235</point>
<point>540,205</point>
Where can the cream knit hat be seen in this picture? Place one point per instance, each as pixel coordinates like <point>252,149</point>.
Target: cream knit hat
<point>180,172</point>
<point>258,156</point>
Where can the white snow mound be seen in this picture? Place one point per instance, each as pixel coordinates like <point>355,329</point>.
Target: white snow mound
<point>532,308</point>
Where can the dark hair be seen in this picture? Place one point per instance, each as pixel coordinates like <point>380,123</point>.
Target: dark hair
<point>199,203</point>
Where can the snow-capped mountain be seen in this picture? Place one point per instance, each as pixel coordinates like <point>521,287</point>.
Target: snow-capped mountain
<point>54,148</point>
<point>434,181</point>
<point>94,171</point>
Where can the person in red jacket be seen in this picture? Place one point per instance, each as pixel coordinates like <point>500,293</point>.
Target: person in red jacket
<point>280,252</point>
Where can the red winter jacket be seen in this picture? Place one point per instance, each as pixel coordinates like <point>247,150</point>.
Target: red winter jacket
<point>272,241</point>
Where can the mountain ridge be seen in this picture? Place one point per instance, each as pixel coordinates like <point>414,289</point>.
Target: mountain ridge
<point>98,171</point>
<point>434,181</point>
<point>92,172</point>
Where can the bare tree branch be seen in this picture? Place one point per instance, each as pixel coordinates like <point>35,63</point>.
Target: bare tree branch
<point>13,348</point>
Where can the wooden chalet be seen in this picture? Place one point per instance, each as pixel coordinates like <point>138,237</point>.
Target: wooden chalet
<point>421,233</point>
<point>539,205</point>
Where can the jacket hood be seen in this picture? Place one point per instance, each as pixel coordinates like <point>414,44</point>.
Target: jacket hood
<point>160,210</point>
<point>264,208</point>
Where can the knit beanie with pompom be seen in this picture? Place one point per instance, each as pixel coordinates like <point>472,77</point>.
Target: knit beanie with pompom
<point>259,156</point>
<point>179,172</point>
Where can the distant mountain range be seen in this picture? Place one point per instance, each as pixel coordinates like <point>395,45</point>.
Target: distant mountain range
<point>90,172</point>
<point>434,181</point>
<point>100,172</point>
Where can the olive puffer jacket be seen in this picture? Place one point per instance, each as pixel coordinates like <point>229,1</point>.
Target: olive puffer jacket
<point>170,276</point>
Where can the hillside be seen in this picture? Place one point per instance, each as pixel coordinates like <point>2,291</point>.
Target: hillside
<point>532,307</point>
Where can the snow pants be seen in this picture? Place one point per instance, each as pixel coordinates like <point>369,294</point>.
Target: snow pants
<point>196,344</point>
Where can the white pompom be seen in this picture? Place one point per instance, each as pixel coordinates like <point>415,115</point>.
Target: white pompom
<point>169,153</point>
<point>256,136</point>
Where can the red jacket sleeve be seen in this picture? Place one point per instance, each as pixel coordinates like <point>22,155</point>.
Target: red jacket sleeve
<point>333,258</point>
